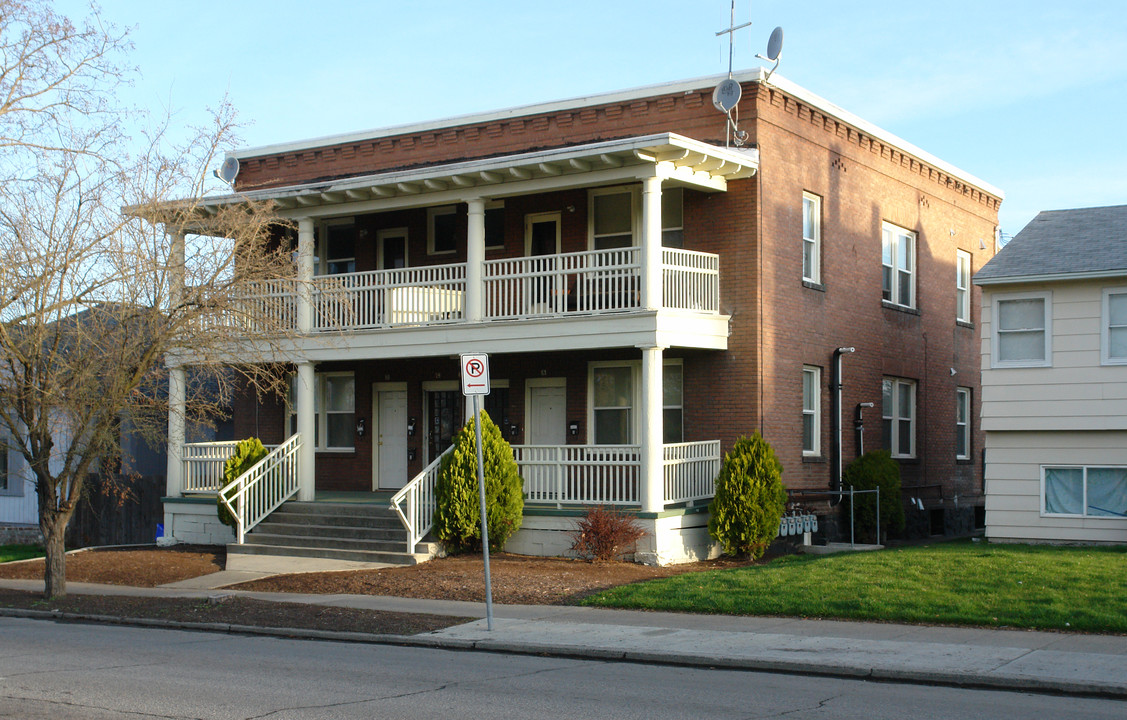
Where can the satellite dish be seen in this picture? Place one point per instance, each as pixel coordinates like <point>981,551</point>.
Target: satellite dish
<point>775,44</point>
<point>726,95</point>
<point>228,171</point>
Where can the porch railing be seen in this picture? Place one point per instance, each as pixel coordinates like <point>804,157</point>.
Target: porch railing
<point>259,491</point>
<point>203,464</point>
<point>414,504</point>
<point>580,474</point>
<point>583,282</point>
<point>690,280</point>
<point>690,471</point>
<point>390,298</point>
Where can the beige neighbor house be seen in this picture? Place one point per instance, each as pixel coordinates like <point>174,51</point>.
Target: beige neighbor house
<point>1054,379</point>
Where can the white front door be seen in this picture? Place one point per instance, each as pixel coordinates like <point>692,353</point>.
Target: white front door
<point>546,412</point>
<point>390,441</point>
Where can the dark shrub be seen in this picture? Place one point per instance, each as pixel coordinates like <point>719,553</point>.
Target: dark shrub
<point>604,534</point>
<point>875,468</point>
<point>749,500</point>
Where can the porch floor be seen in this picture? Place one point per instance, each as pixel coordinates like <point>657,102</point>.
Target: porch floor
<point>354,497</point>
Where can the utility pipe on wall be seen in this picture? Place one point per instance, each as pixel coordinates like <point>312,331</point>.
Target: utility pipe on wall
<point>836,386</point>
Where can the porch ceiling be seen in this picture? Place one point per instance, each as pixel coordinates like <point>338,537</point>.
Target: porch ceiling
<point>677,159</point>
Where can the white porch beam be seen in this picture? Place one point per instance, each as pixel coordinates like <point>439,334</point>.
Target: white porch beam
<point>651,244</point>
<point>305,275</point>
<point>475,260</point>
<point>307,458</point>
<point>651,489</point>
<point>177,410</point>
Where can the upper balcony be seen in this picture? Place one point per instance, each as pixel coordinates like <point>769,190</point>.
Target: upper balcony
<point>600,277</point>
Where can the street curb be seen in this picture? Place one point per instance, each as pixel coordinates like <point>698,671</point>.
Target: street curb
<point>434,642</point>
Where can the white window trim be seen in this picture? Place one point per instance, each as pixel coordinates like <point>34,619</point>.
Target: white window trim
<point>381,238</point>
<point>636,394</point>
<point>815,275</point>
<point>432,213</point>
<point>495,205</point>
<point>995,323</point>
<point>323,244</point>
<point>816,411</point>
<point>963,397</point>
<point>894,440</point>
<point>1084,469</point>
<point>897,233</point>
<point>635,211</point>
<point>1105,327</point>
<point>531,218</point>
<point>322,416</point>
<point>962,309</point>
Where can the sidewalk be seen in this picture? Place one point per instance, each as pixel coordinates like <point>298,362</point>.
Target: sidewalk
<point>1001,659</point>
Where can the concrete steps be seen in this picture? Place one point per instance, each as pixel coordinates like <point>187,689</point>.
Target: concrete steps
<point>356,532</point>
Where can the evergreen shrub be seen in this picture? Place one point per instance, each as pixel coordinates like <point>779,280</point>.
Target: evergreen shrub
<point>457,513</point>
<point>750,498</point>
<point>875,468</point>
<point>247,453</point>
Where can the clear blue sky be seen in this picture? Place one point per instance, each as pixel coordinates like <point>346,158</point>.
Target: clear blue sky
<point>1028,95</point>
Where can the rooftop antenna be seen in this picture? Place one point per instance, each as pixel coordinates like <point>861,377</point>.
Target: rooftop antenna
<point>228,171</point>
<point>727,94</point>
<point>774,50</point>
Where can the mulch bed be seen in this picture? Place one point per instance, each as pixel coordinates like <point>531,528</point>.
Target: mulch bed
<point>136,567</point>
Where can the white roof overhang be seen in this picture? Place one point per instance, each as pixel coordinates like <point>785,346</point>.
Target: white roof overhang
<point>679,160</point>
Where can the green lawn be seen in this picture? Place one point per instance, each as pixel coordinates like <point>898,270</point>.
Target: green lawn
<point>965,583</point>
<point>19,552</point>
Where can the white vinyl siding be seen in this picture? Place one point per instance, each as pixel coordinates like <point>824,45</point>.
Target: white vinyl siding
<point>962,286</point>
<point>811,410</point>
<point>898,403</point>
<point>898,265</point>
<point>811,238</point>
<point>1022,330</point>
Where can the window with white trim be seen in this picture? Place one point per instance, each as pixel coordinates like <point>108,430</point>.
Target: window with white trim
<point>672,218</point>
<point>962,286</point>
<point>334,407</point>
<point>962,423</point>
<point>615,213</point>
<point>811,412</point>
<point>614,394</point>
<point>495,224</point>
<point>1022,330</point>
<point>898,265</point>
<point>338,252</point>
<point>898,403</point>
<point>811,238</point>
<point>1114,326</point>
<point>1084,491</point>
<point>442,230</point>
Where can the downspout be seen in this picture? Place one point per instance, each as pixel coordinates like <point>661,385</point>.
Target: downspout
<point>835,397</point>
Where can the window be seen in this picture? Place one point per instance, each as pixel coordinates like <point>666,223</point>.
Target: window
<point>615,396</point>
<point>811,415</point>
<point>1115,326</point>
<point>339,253</point>
<point>962,423</point>
<point>495,225</point>
<point>442,229</point>
<point>898,259</point>
<point>811,238</point>
<point>898,400</point>
<point>1084,491</point>
<point>334,407</point>
<point>615,212</point>
<point>1022,329</point>
<point>962,286</point>
<point>672,218</point>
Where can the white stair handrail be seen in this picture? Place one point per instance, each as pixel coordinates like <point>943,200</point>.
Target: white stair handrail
<point>260,490</point>
<point>418,517</point>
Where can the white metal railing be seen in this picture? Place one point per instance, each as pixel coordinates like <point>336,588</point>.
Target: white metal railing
<point>583,282</point>
<point>203,464</point>
<point>261,489</point>
<point>690,470</point>
<point>389,298</point>
<point>580,474</point>
<point>418,496</point>
<point>690,280</point>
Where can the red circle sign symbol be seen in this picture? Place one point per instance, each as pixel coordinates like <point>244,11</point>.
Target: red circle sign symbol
<point>475,368</point>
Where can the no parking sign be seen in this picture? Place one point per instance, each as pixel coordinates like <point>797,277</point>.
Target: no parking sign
<point>475,374</point>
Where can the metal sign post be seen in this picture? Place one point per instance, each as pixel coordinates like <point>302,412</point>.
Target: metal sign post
<point>475,382</point>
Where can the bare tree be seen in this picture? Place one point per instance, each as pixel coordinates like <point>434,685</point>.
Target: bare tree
<point>94,301</point>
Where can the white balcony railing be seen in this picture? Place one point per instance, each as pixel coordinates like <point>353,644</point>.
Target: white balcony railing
<point>390,298</point>
<point>584,282</point>
<point>690,280</point>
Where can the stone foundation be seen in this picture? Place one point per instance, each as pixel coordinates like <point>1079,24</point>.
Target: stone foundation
<point>193,521</point>
<point>20,535</point>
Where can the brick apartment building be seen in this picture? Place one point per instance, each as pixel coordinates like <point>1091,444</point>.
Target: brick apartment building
<point>647,295</point>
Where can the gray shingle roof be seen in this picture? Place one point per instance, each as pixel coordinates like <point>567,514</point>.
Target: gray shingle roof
<point>1077,242</point>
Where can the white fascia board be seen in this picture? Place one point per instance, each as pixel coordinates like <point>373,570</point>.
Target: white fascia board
<point>1051,277</point>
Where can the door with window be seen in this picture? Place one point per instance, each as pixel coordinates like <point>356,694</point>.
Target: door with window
<point>542,241</point>
<point>389,441</point>
<point>445,417</point>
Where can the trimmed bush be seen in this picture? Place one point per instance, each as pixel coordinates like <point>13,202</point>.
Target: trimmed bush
<point>457,513</point>
<point>247,453</point>
<point>749,500</point>
<point>604,534</point>
<point>875,468</point>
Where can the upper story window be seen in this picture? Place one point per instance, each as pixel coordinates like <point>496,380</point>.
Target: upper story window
<point>811,415</point>
<point>898,402</point>
<point>616,212</point>
<point>1114,326</point>
<point>962,423</point>
<point>962,286</point>
<point>898,261</point>
<point>495,224</point>
<point>811,238</point>
<point>442,230</point>
<point>1084,491</point>
<point>672,218</point>
<point>338,252</point>
<point>1022,330</point>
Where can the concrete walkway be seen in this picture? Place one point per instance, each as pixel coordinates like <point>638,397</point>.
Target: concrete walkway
<point>1003,659</point>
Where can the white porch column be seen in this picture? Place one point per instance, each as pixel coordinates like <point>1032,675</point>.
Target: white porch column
<point>475,257</point>
<point>651,244</point>
<point>307,458</point>
<point>305,275</point>
<point>651,490</point>
<point>177,379</point>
